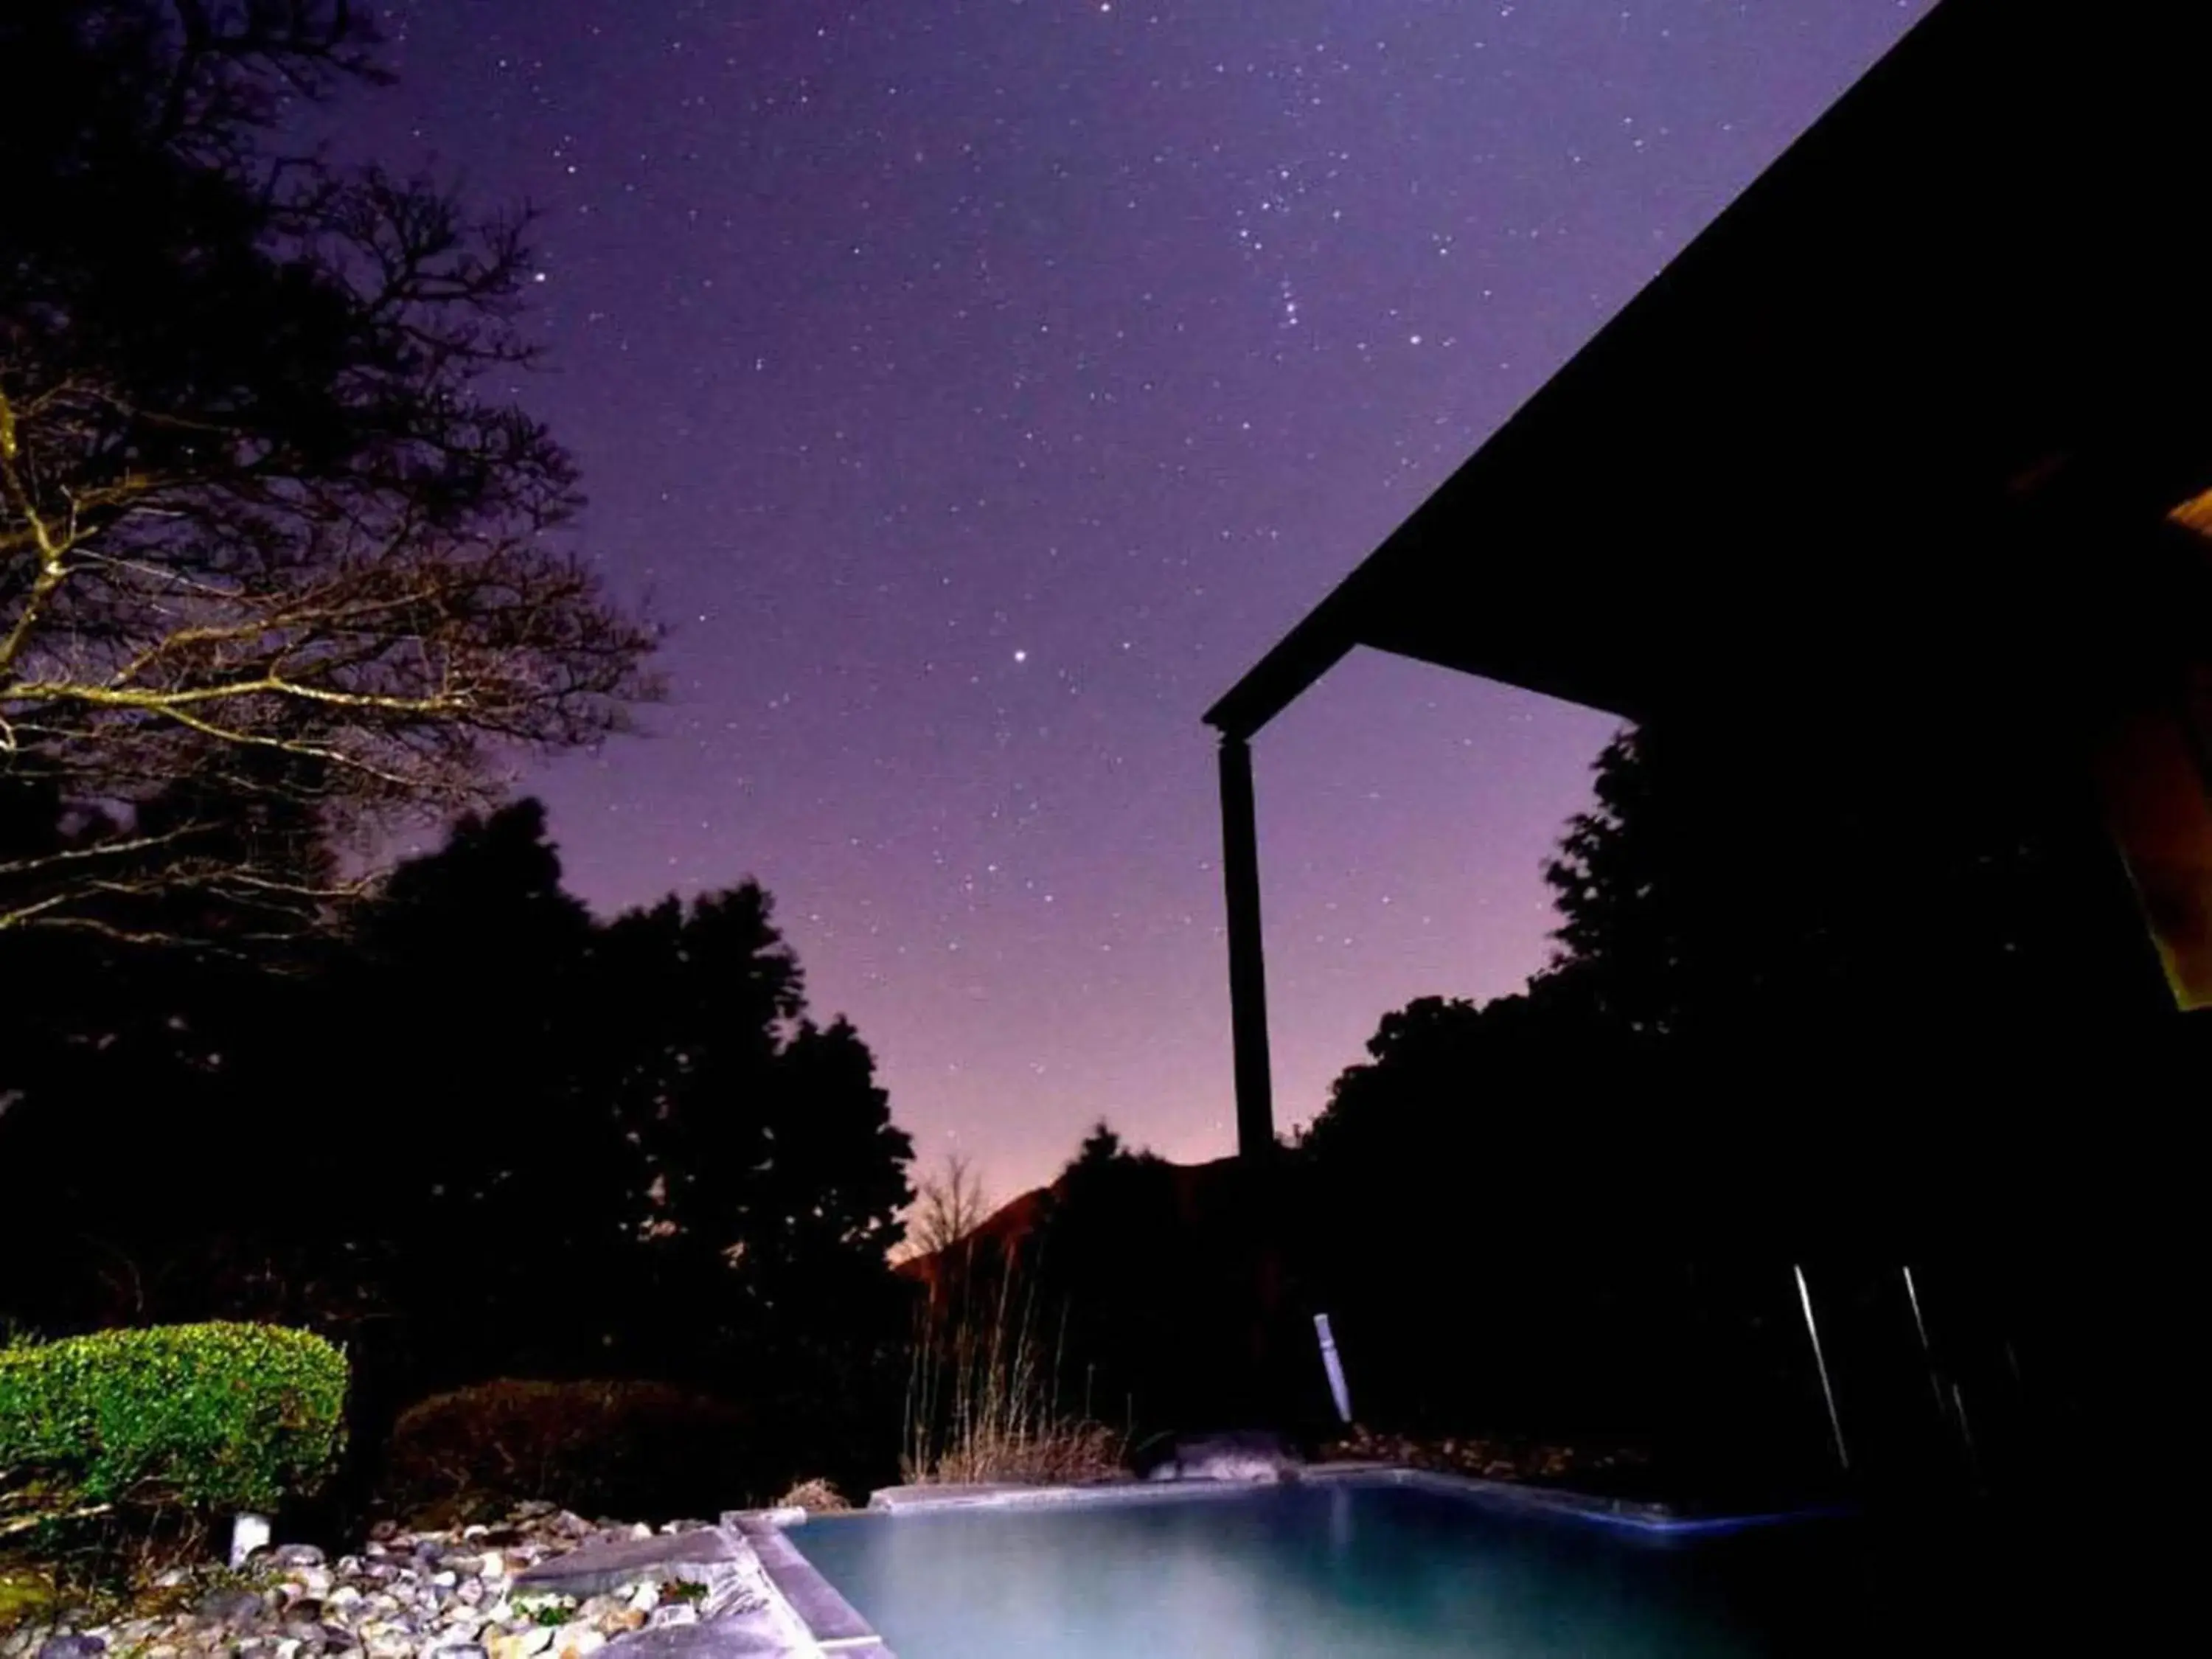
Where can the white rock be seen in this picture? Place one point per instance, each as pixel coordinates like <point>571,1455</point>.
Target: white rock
<point>248,1533</point>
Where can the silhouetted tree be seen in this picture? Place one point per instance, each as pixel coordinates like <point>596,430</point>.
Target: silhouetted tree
<point>1731,884</point>
<point>1458,1081</point>
<point>274,561</point>
<point>1805,985</point>
<point>769,1148</point>
<point>476,1136</point>
<point>774,1174</point>
<point>1146,1286</point>
<point>949,1206</point>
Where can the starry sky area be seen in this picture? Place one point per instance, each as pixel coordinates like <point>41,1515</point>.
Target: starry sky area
<point>977,387</point>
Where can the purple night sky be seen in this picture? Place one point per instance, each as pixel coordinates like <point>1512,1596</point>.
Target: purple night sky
<point>978,386</point>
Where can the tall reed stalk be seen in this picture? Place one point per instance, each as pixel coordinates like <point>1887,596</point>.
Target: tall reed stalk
<point>983,1401</point>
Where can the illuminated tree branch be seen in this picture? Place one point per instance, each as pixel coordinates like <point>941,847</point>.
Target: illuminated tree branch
<point>274,567</point>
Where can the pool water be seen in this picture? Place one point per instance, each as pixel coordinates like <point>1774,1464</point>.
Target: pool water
<point>1344,1569</point>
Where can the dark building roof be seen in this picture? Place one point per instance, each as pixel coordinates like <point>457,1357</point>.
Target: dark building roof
<point>1892,423</point>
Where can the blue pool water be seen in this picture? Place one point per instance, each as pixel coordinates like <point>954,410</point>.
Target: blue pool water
<point>1343,1569</point>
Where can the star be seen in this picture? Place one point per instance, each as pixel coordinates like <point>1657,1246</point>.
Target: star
<point>1118,376</point>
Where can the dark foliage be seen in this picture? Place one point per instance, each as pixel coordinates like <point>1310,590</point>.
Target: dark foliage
<point>1795,1017</point>
<point>1135,1282</point>
<point>483,1135</point>
<point>635,1449</point>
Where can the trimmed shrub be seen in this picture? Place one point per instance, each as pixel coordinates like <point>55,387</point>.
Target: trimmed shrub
<point>221,1416</point>
<point>629,1447</point>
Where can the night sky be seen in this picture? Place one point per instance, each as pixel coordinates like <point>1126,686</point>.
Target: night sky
<point>979,386</point>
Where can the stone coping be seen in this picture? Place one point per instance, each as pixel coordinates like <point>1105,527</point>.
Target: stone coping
<point>1641,1516</point>
<point>760,1597</point>
<point>924,1500</point>
<point>834,1623</point>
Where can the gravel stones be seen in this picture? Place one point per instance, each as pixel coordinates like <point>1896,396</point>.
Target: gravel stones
<point>542,1585</point>
<point>231,1607</point>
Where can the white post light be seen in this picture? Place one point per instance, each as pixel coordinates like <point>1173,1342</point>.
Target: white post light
<point>1927,1349</point>
<point>1827,1390</point>
<point>1335,1367</point>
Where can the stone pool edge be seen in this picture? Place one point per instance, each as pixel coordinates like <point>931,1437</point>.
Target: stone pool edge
<point>833,1624</point>
<point>1640,1517</point>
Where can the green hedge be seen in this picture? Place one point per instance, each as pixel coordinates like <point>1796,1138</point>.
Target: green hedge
<point>221,1417</point>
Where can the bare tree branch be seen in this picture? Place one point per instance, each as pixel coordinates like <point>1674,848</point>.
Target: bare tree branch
<point>949,1206</point>
<point>267,546</point>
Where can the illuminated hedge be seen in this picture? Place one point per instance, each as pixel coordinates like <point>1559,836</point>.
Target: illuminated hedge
<point>221,1417</point>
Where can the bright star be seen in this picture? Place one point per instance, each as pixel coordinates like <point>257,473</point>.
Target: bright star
<point>1021,656</point>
